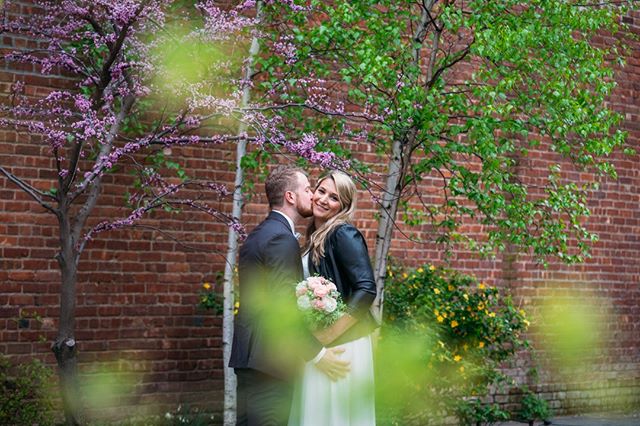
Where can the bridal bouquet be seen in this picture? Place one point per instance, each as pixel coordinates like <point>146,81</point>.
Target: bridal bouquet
<point>320,301</point>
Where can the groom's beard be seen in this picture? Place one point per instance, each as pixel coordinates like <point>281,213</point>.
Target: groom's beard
<point>306,213</point>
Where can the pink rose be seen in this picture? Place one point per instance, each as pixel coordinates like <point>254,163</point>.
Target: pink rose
<point>315,282</point>
<point>318,304</point>
<point>321,291</point>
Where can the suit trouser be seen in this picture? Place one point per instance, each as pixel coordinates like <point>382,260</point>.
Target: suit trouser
<point>262,400</point>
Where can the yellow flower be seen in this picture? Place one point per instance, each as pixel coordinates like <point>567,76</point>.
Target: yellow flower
<point>420,270</point>
<point>457,358</point>
<point>404,275</point>
<point>481,345</point>
<point>432,268</point>
<point>450,287</point>
<point>466,296</point>
<point>526,322</point>
<point>436,312</point>
<point>482,286</point>
<point>492,314</point>
<point>206,286</point>
<point>480,306</point>
<point>436,290</point>
<point>444,314</point>
<point>454,324</point>
<point>440,319</point>
<point>237,305</point>
<point>390,273</point>
<point>522,312</point>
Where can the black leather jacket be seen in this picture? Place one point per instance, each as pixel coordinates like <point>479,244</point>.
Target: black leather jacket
<point>346,263</point>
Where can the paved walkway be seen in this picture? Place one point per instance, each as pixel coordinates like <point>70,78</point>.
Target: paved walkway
<point>588,420</point>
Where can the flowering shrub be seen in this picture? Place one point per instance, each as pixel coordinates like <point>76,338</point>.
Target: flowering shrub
<point>210,298</point>
<point>320,301</point>
<point>468,329</point>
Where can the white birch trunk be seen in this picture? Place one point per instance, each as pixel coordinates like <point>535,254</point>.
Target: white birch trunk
<point>398,167</point>
<point>230,382</point>
<point>388,209</point>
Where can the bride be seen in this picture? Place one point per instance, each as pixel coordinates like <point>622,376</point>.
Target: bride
<point>336,250</point>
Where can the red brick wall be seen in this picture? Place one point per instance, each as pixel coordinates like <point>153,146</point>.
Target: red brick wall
<point>138,288</point>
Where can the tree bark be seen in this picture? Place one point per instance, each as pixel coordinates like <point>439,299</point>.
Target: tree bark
<point>401,149</point>
<point>398,166</point>
<point>230,382</point>
<point>65,347</point>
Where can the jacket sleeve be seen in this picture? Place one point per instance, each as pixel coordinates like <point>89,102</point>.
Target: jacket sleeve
<point>352,259</point>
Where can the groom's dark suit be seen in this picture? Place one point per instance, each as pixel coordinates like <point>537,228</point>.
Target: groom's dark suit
<point>269,267</point>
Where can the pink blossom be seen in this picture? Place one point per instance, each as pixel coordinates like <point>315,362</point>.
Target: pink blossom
<point>315,282</point>
<point>321,291</point>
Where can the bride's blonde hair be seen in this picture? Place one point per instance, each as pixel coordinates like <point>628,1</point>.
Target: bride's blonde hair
<point>346,189</point>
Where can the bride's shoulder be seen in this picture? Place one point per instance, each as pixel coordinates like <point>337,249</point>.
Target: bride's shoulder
<point>346,230</point>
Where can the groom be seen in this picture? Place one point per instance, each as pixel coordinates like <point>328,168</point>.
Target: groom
<point>268,342</point>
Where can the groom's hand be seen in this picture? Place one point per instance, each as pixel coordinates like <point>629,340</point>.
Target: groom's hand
<point>333,366</point>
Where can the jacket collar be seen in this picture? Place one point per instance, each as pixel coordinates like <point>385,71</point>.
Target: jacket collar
<point>281,217</point>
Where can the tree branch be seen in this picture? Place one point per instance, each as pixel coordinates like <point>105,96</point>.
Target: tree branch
<point>30,190</point>
<point>92,198</point>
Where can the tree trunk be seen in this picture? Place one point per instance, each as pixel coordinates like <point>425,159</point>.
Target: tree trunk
<point>398,166</point>
<point>65,346</point>
<point>230,382</point>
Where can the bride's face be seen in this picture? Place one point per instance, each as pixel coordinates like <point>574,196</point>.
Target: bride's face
<point>326,202</point>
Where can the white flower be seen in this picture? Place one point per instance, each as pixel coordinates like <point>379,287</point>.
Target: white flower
<point>330,304</point>
<point>304,303</point>
<point>301,288</point>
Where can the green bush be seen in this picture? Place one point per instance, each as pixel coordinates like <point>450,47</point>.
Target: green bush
<point>445,337</point>
<point>533,407</point>
<point>24,399</point>
<point>474,412</point>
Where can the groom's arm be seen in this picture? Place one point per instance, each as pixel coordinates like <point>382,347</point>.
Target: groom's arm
<point>282,254</point>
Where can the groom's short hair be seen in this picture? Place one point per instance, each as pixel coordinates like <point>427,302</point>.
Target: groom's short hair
<point>280,180</point>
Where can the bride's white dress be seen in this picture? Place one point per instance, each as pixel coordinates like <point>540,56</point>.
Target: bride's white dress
<point>318,401</point>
